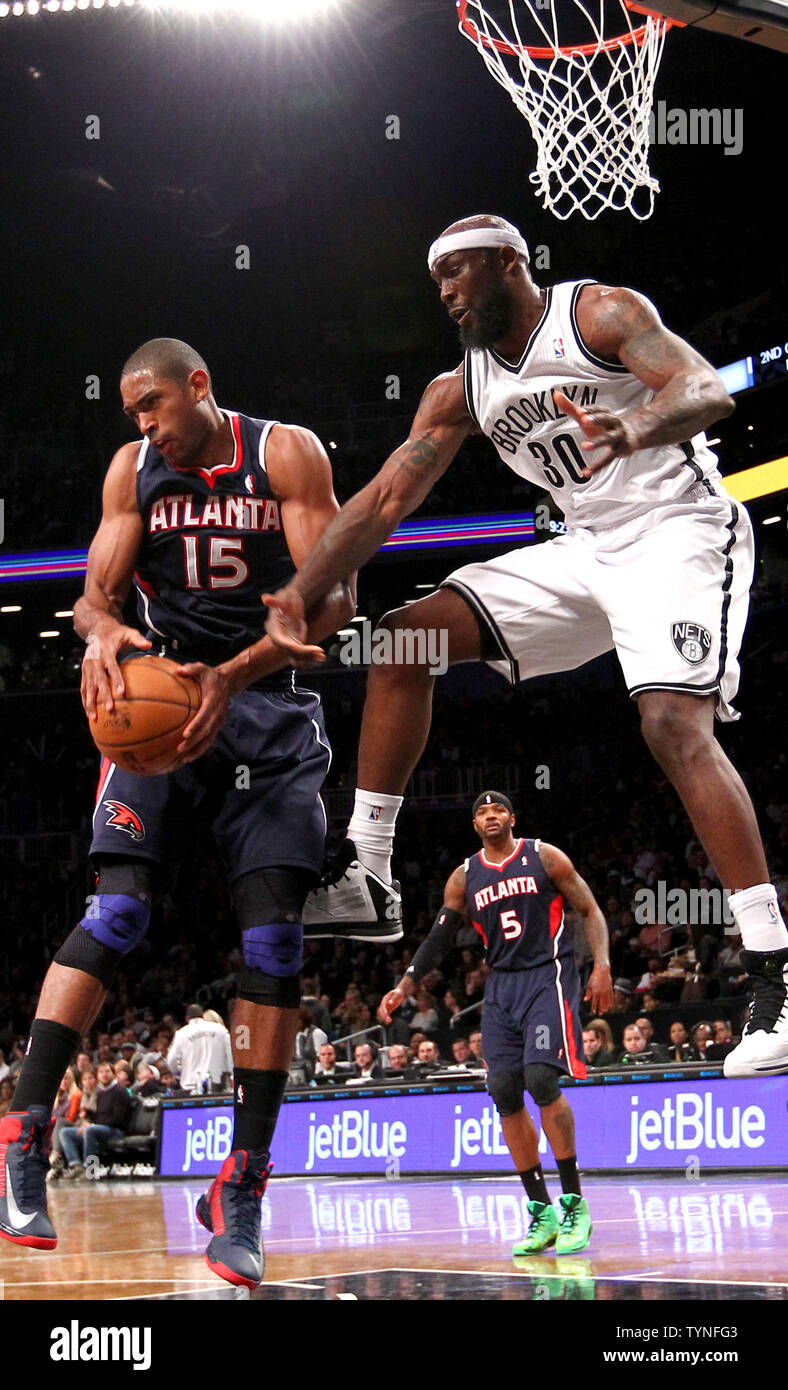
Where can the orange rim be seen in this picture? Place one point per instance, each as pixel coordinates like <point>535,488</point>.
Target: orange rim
<point>636,36</point>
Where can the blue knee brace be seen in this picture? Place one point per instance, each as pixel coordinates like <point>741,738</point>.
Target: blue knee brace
<point>117,921</point>
<point>112,926</point>
<point>276,948</point>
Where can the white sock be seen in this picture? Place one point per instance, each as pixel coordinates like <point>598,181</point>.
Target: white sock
<point>757,914</point>
<point>371,829</point>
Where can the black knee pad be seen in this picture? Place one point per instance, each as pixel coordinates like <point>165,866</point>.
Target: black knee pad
<point>541,1081</point>
<point>271,895</point>
<point>506,1090</point>
<point>268,904</point>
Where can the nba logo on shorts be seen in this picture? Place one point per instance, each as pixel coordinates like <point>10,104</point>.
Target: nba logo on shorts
<point>692,642</point>
<point>558,347</point>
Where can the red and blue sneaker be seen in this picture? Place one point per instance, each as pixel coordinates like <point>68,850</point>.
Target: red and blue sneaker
<point>25,1138</point>
<point>230,1209</point>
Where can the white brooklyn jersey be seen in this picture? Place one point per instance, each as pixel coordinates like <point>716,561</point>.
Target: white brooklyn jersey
<point>512,403</point>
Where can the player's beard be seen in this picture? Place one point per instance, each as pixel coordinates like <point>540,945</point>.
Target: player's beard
<point>493,321</point>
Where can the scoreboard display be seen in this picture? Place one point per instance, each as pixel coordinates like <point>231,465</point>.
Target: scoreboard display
<point>762,368</point>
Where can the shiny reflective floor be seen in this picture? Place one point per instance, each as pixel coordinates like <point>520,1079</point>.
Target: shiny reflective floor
<point>720,1237</point>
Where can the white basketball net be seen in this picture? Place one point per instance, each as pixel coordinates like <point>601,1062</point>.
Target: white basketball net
<point>588,112</point>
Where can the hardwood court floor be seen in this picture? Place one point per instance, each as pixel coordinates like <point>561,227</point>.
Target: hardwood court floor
<point>660,1238</point>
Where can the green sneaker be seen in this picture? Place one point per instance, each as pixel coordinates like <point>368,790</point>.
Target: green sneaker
<point>542,1230</point>
<point>575,1230</point>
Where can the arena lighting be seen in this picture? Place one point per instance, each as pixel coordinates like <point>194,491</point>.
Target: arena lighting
<point>49,634</point>
<point>280,12</point>
<point>64,613</point>
<point>11,608</point>
<point>759,481</point>
<point>771,520</point>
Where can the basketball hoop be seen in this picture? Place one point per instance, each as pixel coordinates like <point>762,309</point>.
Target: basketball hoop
<point>588,104</point>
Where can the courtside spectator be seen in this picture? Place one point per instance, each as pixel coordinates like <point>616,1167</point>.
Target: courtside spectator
<point>148,1081</point>
<point>723,1042</point>
<point>399,1061</point>
<point>201,1054</point>
<point>475,1044</point>
<point>81,1143</point>
<point>595,1054</point>
<point>680,1048</point>
<point>702,1037</point>
<point>367,1067</point>
<point>428,1056</point>
<point>622,996</point>
<point>638,1052</point>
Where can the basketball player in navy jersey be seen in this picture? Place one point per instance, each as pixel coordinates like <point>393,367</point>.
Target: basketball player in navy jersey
<point>584,392</point>
<point>513,891</point>
<point>201,518</point>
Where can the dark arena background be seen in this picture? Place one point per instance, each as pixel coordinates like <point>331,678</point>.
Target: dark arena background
<point>264,182</point>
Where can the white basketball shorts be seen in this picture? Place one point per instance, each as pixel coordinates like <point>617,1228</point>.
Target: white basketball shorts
<point>668,590</point>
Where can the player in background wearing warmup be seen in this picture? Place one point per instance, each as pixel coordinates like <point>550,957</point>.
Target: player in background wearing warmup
<point>583,391</point>
<point>202,516</point>
<point>513,891</point>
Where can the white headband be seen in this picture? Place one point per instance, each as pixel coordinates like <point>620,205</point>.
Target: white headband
<point>474,239</point>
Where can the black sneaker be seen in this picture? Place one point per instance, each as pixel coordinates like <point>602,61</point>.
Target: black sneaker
<point>763,1050</point>
<point>353,902</point>
<point>25,1138</point>
<point>230,1209</point>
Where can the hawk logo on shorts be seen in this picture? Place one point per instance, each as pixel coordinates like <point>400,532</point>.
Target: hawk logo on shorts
<point>692,642</point>
<point>123,818</point>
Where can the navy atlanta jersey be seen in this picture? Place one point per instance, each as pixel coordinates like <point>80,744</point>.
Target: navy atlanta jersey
<point>517,909</point>
<point>212,544</point>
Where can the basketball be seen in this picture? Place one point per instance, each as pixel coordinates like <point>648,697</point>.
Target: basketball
<point>144,729</point>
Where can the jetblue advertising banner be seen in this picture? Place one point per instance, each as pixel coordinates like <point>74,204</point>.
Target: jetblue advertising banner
<point>626,1126</point>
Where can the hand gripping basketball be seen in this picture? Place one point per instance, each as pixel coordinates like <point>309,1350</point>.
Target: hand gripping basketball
<point>142,730</point>
<point>102,678</point>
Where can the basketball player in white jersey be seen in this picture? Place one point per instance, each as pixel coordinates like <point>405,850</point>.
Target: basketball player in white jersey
<point>584,392</point>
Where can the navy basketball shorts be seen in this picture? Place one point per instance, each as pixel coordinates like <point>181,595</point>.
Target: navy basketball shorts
<point>257,788</point>
<point>534,1016</point>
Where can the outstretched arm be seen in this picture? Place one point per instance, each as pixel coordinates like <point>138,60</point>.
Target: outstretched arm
<point>441,424</point>
<point>577,893</point>
<point>434,947</point>
<point>300,476</point>
<point>620,325</point>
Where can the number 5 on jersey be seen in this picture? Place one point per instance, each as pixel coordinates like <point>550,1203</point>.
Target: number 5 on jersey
<point>510,926</point>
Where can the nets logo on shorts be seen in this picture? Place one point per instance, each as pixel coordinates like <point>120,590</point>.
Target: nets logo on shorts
<point>123,818</point>
<point>692,642</point>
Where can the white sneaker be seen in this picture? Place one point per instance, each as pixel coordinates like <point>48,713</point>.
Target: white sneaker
<point>353,902</point>
<point>763,1050</point>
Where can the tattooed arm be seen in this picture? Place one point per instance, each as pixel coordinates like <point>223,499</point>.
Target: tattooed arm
<point>620,326</point>
<point>441,424</point>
